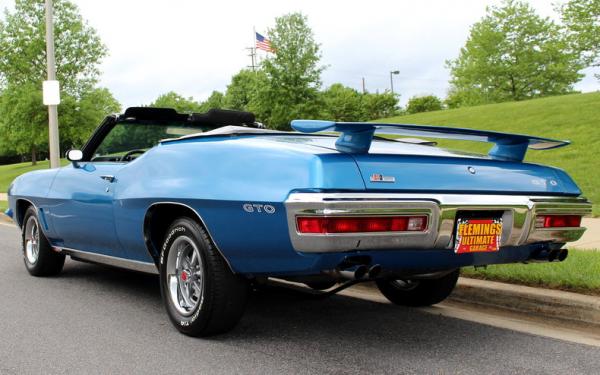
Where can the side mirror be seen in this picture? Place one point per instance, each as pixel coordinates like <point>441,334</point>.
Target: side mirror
<point>74,156</point>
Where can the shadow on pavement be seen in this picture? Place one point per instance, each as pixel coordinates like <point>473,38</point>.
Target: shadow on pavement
<point>282,330</point>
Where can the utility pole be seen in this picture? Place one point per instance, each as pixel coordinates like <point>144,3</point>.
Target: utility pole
<point>253,50</point>
<point>392,73</point>
<point>252,56</point>
<point>52,104</point>
<point>363,85</point>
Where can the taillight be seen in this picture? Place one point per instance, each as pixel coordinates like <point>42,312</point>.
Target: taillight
<point>324,225</point>
<point>557,221</point>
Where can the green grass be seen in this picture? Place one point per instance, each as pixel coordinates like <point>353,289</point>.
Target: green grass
<point>3,206</point>
<point>572,117</point>
<point>580,272</point>
<point>11,171</point>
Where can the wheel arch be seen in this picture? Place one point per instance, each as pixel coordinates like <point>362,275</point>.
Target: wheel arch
<point>159,216</point>
<point>21,207</point>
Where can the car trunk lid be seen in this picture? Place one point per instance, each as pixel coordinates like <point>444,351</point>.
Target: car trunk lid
<point>460,174</point>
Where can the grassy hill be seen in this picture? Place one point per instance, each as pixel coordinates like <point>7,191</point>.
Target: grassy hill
<point>572,117</point>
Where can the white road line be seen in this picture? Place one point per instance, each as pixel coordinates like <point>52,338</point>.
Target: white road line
<point>8,224</point>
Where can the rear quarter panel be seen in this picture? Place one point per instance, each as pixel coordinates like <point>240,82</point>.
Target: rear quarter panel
<point>217,178</point>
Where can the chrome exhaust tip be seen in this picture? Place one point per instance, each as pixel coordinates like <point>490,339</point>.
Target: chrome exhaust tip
<point>374,271</point>
<point>357,272</point>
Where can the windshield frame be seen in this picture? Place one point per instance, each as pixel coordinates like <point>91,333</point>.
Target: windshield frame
<point>109,123</point>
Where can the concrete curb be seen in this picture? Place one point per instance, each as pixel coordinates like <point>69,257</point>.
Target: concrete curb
<point>591,237</point>
<point>4,218</point>
<point>553,304</point>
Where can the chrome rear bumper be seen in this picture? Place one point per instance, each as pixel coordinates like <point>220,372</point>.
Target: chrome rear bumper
<point>518,216</point>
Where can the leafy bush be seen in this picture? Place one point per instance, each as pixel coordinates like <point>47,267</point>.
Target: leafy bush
<point>426,103</point>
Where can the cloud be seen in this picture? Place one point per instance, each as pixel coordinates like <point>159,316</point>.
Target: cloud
<point>194,47</point>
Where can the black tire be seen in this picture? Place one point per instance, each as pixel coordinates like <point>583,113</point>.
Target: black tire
<point>224,294</point>
<point>424,292</point>
<point>44,261</point>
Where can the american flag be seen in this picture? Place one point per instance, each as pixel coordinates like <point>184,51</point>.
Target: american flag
<point>263,43</point>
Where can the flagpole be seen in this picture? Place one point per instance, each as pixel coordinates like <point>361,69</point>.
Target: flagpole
<point>253,48</point>
<point>253,57</point>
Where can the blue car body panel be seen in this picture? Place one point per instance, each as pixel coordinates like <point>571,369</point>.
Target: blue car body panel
<point>217,176</point>
<point>422,173</point>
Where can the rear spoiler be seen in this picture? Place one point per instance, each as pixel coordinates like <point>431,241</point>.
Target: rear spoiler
<point>356,137</point>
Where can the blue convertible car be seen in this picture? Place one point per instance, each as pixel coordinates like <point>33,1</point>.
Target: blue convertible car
<point>215,203</point>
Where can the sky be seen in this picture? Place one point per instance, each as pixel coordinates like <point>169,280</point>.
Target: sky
<point>194,47</point>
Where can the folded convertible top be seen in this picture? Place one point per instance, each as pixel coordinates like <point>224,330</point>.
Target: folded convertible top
<point>356,137</point>
<point>212,118</point>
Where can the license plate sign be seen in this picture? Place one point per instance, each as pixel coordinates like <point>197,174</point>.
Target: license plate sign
<point>478,235</point>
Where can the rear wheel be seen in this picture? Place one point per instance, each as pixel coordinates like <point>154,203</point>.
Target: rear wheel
<point>424,292</point>
<point>201,294</point>
<point>39,258</point>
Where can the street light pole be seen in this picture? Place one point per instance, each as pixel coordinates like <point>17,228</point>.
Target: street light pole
<point>396,72</point>
<point>52,108</point>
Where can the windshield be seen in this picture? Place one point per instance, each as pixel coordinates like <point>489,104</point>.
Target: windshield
<point>126,141</point>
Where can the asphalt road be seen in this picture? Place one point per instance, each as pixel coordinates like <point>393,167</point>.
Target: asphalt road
<point>93,319</point>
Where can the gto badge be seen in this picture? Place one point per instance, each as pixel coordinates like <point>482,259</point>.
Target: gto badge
<point>376,177</point>
<point>258,208</point>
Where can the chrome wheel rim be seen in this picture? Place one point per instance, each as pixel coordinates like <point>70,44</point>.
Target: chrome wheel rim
<point>405,285</point>
<point>32,240</point>
<point>185,278</point>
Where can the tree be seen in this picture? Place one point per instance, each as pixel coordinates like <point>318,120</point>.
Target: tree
<point>24,119</point>
<point>22,42</point>
<point>293,73</point>
<point>342,103</point>
<point>80,116</point>
<point>582,20</point>
<point>177,102</point>
<point>214,101</point>
<point>425,103</point>
<point>460,97</point>
<point>514,54</point>
<point>242,92</point>
<point>377,106</point>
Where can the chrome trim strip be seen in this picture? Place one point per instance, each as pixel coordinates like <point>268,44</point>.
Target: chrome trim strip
<point>518,218</point>
<point>108,260</point>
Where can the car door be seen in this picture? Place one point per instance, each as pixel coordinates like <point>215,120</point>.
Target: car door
<point>82,208</point>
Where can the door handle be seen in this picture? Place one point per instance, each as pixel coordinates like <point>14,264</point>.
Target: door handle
<point>108,178</point>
